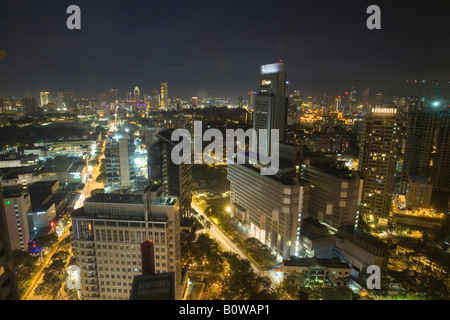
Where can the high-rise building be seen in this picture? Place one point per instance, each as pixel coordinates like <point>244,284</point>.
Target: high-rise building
<point>155,101</point>
<point>271,206</point>
<point>31,106</point>
<point>352,100</point>
<point>17,206</point>
<point>119,171</point>
<point>177,179</point>
<point>8,280</point>
<point>164,95</point>
<point>137,95</point>
<point>420,128</point>
<point>107,235</point>
<point>194,102</point>
<point>60,101</point>
<point>377,162</point>
<point>440,176</point>
<point>271,102</point>
<point>366,101</point>
<point>45,98</point>
<point>336,191</point>
<point>251,100</point>
<point>379,99</point>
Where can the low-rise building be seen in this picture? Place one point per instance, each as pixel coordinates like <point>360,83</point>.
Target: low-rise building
<point>328,272</point>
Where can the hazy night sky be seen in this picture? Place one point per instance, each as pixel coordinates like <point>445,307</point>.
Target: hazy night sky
<point>206,48</point>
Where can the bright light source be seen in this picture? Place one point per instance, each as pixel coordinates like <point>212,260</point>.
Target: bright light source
<point>436,103</point>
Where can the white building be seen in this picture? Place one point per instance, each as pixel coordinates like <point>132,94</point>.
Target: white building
<point>108,232</point>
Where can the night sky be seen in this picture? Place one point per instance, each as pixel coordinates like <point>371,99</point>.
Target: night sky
<point>207,48</point>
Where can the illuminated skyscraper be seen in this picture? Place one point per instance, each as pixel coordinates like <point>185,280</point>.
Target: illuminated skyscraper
<point>45,98</point>
<point>137,95</point>
<point>271,102</point>
<point>377,162</point>
<point>164,96</point>
<point>251,100</point>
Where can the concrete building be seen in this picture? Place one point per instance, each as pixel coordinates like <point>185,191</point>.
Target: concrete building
<point>418,194</point>
<point>271,101</point>
<point>164,97</point>
<point>377,162</point>
<point>107,235</point>
<point>271,207</point>
<point>335,194</point>
<point>420,128</point>
<point>360,249</point>
<point>8,281</point>
<point>119,170</point>
<point>17,204</point>
<point>177,179</point>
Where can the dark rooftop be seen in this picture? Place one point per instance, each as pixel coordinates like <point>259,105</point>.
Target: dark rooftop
<point>310,262</point>
<point>116,198</point>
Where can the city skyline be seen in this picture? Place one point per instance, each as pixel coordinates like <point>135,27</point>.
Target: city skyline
<point>202,49</point>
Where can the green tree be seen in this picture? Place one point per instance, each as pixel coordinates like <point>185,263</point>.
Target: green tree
<point>243,283</point>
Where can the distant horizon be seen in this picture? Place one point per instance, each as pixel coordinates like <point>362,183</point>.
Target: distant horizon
<point>208,49</point>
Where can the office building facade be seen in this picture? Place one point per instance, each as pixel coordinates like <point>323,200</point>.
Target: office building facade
<point>377,162</point>
<point>107,235</point>
<point>271,102</point>
<point>177,179</point>
<point>8,280</point>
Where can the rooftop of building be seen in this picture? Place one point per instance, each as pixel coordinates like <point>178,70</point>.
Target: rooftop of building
<point>159,286</point>
<point>12,191</point>
<point>314,261</point>
<point>116,198</point>
<point>356,236</point>
<point>13,173</point>
<point>331,166</point>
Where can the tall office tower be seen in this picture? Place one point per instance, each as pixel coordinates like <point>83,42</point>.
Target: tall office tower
<point>379,99</point>
<point>271,102</point>
<point>8,281</point>
<point>107,235</point>
<point>271,206</point>
<point>45,98</point>
<point>111,96</point>
<point>155,103</point>
<point>352,100</point>
<point>377,162</point>
<point>420,128</point>
<point>137,95</point>
<point>251,100</point>
<point>194,102</point>
<point>31,106</point>
<point>59,101</point>
<point>119,172</point>
<point>177,179</point>
<point>366,99</point>
<point>17,206</point>
<point>335,194</point>
<point>164,95</point>
<point>70,102</point>
<point>297,99</point>
<point>441,163</point>
<point>338,104</point>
